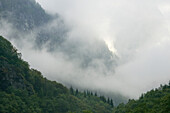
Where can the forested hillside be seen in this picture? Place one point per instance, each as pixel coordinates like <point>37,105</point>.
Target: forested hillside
<point>25,90</point>
<point>155,101</point>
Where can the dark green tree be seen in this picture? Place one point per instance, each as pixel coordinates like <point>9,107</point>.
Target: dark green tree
<point>77,92</point>
<point>71,90</point>
<point>111,103</point>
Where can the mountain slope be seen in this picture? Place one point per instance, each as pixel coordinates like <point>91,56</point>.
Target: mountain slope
<point>24,14</point>
<point>25,90</point>
<point>154,101</point>
<point>27,17</point>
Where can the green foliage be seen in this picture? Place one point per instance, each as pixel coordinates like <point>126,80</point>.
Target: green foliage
<point>25,90</point>
<point>154,101</point>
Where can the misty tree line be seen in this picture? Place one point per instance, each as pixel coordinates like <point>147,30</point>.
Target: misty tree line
<point>154,101</point>
<point>88,93</point>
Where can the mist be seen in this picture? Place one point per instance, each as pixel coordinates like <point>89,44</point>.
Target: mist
<point>113,46</point>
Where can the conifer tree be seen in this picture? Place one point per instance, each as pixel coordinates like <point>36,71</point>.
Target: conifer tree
<point>77,92</point>
<point>71,90</point>
<point>111,103</point>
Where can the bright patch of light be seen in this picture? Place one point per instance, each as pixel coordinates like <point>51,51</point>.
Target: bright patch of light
<point>110,46</point>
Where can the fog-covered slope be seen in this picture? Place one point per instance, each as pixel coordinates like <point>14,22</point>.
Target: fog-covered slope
<point>28,17</point>
<point>23,14</point>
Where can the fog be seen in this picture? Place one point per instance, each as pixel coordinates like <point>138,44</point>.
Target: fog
<point>113,46</point>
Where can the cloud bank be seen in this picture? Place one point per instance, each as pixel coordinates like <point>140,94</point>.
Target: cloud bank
<point>112,46</point>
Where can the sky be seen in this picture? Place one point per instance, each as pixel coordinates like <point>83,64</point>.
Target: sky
<point>135,32</point>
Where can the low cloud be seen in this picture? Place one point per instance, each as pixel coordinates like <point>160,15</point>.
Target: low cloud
<point>111,46</point>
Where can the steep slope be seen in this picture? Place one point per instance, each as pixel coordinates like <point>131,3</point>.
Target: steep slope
<point>154,101</point>
<point>28,17</point>
<point>25,90</point>
<point>24,14</point>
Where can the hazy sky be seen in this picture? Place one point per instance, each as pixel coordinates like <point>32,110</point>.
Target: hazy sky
<point>136,31</point>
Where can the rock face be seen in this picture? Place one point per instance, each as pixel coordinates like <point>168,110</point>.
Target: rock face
<point>27,17</point>
<point>24,14</point>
